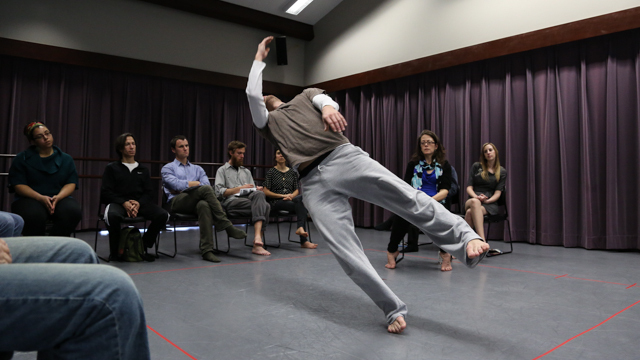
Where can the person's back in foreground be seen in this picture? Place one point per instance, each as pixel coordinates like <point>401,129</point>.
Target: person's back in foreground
<point>56,300</point>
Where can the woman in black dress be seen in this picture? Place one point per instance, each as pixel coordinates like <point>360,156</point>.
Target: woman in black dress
<point>486,183</point>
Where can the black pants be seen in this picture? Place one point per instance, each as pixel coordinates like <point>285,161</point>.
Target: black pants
<point>151,212</point>
<point>399,229</point>
<point>294,206</point>
<point>65,217</point>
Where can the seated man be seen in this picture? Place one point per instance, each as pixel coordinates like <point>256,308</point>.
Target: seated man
<point>234,184</point>
<point>10,224</point>
<point>126,187</point>
<point>189,192</point>
<point>64,311</point>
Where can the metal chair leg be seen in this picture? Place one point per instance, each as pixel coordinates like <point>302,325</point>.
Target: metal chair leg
<point>216,248</point>
<point>175,244</point>
<point>95,245</point>
<point>308,231</point>
<point>510,241</point>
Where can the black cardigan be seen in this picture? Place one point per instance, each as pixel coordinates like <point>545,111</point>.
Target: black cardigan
<point>120,185</point>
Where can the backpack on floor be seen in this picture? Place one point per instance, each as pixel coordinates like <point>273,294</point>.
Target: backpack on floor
<point>130,248</point>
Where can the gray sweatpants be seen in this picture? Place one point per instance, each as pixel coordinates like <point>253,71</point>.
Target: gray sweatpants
<point>349,172</point>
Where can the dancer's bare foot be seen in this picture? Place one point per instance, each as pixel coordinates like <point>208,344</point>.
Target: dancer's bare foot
<point>476,247</point>
<point>397,326</point>
<point>445,261</point>
<point>391,263</point>
<point>308,245</point>
<point>301,232</point>
<point>259,250</point>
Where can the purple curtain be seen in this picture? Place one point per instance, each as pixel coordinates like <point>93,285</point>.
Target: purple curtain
<point>565,120</point>
<point>86,109</point>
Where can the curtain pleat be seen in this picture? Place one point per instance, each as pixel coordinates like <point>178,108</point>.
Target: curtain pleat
<point>565,120</point>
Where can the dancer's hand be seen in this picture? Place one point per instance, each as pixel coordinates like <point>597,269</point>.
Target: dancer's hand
<point>263,50</point>
<point>333,119</point>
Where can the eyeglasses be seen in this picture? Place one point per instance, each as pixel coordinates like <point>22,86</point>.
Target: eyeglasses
<point>427,142</point>
<point>43,135</point>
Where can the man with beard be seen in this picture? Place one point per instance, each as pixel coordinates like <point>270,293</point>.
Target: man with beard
<point>240,196</point>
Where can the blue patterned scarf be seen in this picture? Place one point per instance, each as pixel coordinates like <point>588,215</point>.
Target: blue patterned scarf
<point>422,166</point>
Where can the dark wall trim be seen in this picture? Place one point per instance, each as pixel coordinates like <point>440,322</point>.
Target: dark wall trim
<point>596,26</point>
<point>578,30</point>
<point>116,63</point>
<point>241,15</point>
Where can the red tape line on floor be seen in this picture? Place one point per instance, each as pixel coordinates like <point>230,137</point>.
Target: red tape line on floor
<point>169,341</point>
<point>584,332</point>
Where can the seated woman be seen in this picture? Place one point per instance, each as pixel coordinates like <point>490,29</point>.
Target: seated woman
<point>486,183</point>
<point>281,187</point>
<point>43,178</point>
<point>126,187</point>
<point>429,171</point>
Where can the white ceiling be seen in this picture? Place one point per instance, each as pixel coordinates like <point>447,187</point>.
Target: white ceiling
<point>310,15</point>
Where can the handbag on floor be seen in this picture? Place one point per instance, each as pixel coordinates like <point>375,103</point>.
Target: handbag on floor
<point>130,248</point>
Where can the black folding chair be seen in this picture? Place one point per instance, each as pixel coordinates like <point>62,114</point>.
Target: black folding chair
<point>284,215</point>
<point>502,216</point>
<point>173,218</point>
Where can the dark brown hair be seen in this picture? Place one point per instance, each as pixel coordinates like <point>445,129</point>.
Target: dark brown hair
<point>121,140</point>
<point>440,155</point>
<point>235,144</point>
<point>175,140</point>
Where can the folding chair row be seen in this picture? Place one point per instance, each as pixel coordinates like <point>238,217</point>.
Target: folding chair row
<point>243,219</point>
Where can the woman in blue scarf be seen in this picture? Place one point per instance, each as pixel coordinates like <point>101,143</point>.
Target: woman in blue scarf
<point>430,172</point>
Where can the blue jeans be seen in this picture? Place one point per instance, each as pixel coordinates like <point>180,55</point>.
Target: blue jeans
<point>54,299</point>
<point>10,225</point>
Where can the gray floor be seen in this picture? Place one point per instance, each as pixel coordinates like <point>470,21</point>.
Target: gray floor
<point>299,304</point>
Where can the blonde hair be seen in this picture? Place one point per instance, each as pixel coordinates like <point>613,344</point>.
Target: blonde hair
<point>485,167</point>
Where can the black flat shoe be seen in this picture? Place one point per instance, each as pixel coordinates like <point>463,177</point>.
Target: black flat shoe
<point>411,248</point>
<point>148,257</point>
<point>494,252</point>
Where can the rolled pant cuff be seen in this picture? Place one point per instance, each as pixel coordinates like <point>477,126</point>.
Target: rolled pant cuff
<point>260,218</point>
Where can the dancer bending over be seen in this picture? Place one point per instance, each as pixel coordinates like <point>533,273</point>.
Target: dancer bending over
<point>308,132</point>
